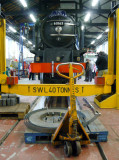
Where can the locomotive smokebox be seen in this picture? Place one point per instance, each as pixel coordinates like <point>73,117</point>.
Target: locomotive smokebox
<point>58,30</point>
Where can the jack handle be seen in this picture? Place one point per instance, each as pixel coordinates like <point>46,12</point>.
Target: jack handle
<point>62,75</point>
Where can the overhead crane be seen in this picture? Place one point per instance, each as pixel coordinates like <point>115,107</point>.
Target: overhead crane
<point>74,130</point>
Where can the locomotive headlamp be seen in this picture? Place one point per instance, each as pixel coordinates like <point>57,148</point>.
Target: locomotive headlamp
<point>78,59</point>
<point>58,59</point>
<point>37,59</point>
<point>58,29</point>
<point>58,38</point>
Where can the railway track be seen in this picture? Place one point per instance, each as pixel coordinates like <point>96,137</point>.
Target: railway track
<point>53,102</point>
<point>101,151</point>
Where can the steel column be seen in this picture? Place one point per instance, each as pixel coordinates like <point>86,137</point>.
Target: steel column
<point>2,45</point>
<point>117,57</point>
<point>82,39</point>
<point>111,46</point>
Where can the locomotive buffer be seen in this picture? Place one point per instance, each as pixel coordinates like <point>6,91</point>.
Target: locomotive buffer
<point>70,130</point>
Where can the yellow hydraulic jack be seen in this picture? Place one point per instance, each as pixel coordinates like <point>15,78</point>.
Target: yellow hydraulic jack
<point>70,130</point>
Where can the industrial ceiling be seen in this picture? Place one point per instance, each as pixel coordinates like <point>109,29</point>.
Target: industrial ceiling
<point>16,14</point>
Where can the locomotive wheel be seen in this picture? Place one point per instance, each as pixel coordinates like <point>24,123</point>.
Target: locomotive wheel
<point>67,148</point>
<point>76,148</point>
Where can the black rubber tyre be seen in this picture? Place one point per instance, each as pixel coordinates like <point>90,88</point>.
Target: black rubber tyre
<point>67,148</point>
<point>76,148</point>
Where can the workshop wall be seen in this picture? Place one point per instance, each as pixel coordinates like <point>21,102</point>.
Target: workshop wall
<point>103,47</point>
<point>12,49</point>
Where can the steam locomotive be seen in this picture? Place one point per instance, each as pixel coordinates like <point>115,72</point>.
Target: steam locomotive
<point>55,43</point>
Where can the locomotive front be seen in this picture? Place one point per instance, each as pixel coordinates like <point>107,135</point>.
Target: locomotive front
<point>55,43</point>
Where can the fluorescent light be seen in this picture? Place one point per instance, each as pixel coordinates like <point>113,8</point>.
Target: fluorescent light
<point>33,18</point>
<point>107,30</point>
<point>23,2</point>
<point>23,37</point>
<point>12,29</point>
<point>92,42</point>
<point>99,36</point>
<point>87,17</point>
<point>82,27</point>
<point>94,3</point>
<point>29,42</point>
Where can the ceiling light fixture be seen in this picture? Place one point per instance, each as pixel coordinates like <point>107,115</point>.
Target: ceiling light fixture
<point>33,18</point>
<point>12,29</point>
<point>23,2</point>
<point>99,36</point>
<point>107,30</point>
<point>87,17</point>
<point>82,27</point>
<point>29,42</point>
<point>92,42</point>
<point>94,3</point>
<point>23,37</point>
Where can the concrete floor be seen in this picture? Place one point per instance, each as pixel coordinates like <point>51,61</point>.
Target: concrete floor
<point>14,147</point>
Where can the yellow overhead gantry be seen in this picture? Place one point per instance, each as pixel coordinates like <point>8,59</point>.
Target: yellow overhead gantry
<point>59,89</point>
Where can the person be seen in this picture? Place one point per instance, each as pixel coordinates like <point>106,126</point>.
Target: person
<point>30,73</point>
<point>94,70</point>
<point>102,63</point>
<point>88,71</point>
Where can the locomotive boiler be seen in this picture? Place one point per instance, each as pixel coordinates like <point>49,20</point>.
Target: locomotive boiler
<point>55,43</point>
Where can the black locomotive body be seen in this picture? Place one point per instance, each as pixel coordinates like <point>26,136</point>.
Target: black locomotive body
<point>56,43</point>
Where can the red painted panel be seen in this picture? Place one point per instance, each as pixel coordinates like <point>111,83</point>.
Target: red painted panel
<point>12,80</point>
<point>99,80</point>
<point>47,68</point>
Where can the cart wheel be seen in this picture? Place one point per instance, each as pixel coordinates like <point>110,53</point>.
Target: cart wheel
<point>68,149</point>
<point>76,148</point>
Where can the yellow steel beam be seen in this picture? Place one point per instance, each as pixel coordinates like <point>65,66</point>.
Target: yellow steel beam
<point>2,45</point>
<point>111,46</point>
<point>55,89</point>
<point>117,57</point>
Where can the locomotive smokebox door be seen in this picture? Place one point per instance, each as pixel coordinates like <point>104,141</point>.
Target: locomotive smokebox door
<point>58,30</point>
